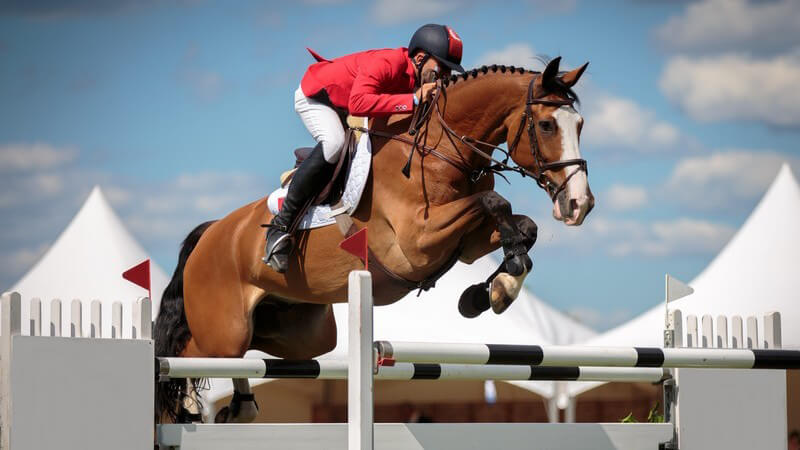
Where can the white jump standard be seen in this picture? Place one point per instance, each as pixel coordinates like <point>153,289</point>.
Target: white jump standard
<point>554,355</point>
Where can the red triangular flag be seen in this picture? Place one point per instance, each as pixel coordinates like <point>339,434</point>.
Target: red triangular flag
<point>357,245</point>
<point>139,275</point>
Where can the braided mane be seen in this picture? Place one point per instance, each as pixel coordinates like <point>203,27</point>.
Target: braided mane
<point>557,85</point>
<point>483,70</point>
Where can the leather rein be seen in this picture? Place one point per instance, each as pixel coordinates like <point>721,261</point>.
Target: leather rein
<point>422,117</point>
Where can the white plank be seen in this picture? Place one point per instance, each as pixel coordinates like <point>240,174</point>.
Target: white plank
<point>36,317</point>
<point>55,317</point>
<point>76,319</point>
<point>737,332</point>
<point>360,434</point>
<point>96,320</point>
<point>116,320</point>
<point>722,332</point>
<point>772,330</point>
<point>708,332</point>
<point>691,331</point>
<point>421,436</point>
<point>752,332</point>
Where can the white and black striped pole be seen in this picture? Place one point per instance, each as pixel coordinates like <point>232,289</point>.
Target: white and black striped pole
<point>555,355</point>
<point>326,369</point>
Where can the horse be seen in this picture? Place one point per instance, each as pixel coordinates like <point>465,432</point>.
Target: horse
<point>423,215</point>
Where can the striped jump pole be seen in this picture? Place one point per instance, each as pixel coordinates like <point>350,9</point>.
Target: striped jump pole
<point>325,369</point>
<point>555,355</point>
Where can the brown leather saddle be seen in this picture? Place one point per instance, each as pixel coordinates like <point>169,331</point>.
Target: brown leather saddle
<point>331,194</point>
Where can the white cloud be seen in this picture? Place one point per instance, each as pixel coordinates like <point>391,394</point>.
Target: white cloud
<point>622,197</point>
<point>517,54</point>
<point>679,236</point>
<point>736,87</point>
<point>33,156</point>
<point>165,212</point>
<point>633,238</point>
<point>733,24</point>
<point>393,11</point>
<point>549,6</point>
<point>205,85</point>
<point>725,178</point>
<point>618,123</point>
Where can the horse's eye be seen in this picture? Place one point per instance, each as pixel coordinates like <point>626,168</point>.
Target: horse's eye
<point>546,126</point>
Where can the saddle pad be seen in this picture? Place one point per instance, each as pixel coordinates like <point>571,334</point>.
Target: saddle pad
<point>320,215</point>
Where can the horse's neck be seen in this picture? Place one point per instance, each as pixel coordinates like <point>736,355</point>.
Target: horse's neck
<point>479,107</point>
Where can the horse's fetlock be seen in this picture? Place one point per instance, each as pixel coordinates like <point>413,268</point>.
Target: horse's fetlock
<point>529,229</point>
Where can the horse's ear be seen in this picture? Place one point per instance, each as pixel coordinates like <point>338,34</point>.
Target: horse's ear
<point>551,70</point>
<point>572,77</point>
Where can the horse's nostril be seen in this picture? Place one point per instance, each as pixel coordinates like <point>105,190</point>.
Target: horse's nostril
<point>573,205</point>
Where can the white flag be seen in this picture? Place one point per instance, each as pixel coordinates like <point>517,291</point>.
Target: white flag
<point>676,289</point>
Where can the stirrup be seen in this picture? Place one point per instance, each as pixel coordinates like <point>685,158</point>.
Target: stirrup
<point>269,253</point>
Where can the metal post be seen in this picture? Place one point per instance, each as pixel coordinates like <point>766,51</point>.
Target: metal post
<point>360,426</point>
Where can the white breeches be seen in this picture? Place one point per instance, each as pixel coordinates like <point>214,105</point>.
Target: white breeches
<point>322,122</point>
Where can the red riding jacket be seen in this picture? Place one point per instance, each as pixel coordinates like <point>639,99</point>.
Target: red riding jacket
<point>370,83</point>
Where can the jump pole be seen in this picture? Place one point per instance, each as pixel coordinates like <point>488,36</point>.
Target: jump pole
<point>332,369</point>
<point>562,355</point>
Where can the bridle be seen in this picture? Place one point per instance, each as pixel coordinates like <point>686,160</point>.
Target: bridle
<point>422,117</point>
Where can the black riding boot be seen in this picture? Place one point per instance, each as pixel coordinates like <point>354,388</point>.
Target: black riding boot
<point>308,180</point>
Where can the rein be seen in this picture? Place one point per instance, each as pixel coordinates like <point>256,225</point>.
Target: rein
<point>424,113</point>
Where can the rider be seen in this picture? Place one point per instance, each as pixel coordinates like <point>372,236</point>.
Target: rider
<point>371,83</point>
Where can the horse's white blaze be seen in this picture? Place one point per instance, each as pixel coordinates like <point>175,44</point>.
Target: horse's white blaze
<point>578,186</point>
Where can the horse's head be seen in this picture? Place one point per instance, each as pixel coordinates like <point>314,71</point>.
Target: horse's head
<point>543,138</point>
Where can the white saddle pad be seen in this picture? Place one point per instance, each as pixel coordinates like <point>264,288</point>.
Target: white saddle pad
<point>320,215</point>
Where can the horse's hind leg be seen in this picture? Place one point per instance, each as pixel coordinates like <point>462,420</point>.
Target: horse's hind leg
<point>221,327</point>
<point>242,408</point>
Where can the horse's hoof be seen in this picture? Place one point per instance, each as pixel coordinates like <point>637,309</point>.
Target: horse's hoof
<point>504,290</point>
<point>186,416</point>
<point>518,264</point>
<point>222,415</point>
<point>474,300</point>
<point>245,412</point>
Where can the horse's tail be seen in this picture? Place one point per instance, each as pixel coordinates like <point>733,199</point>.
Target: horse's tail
<point>171,331</point>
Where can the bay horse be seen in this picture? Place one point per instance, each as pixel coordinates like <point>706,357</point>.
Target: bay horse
<point>222,300</point>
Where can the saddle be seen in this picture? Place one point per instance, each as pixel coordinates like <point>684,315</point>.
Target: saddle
<point>331,194</point>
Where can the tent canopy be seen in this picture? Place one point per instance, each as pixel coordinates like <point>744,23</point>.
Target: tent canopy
<point>757,272</point>
<point>86,262</point>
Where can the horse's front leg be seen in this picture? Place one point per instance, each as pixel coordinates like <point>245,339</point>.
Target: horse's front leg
<point>501,288</point>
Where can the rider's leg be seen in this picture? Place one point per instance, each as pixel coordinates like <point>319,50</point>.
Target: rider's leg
<point>324,125</point>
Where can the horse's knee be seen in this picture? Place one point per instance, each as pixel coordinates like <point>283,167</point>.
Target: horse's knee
<point>529,229</point>
<point>495,204</point>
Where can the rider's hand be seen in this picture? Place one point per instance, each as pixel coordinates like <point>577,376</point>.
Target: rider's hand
<point>425,92</point>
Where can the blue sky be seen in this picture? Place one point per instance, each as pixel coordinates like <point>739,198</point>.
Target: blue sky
<point>182,110</point>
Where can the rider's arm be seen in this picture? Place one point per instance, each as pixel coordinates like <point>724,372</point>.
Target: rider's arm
<point>367,97</point>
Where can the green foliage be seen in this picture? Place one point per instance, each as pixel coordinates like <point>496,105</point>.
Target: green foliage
<point>652,417</point>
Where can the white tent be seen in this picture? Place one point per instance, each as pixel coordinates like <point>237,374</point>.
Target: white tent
<point>86,262</point>
<point>757,272</point>
<point>434,317</point>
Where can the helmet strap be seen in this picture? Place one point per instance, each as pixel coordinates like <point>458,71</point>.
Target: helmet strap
<point>419,68</point>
